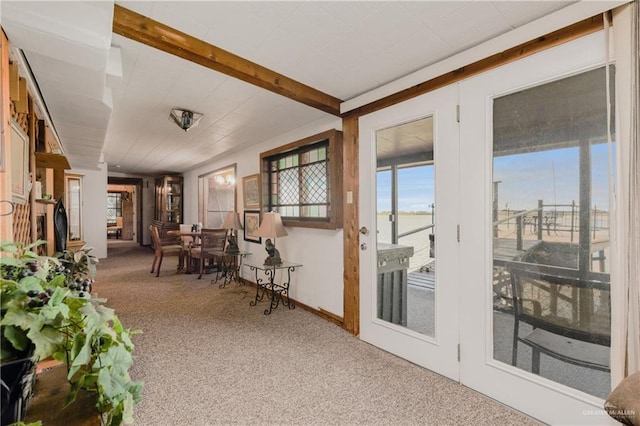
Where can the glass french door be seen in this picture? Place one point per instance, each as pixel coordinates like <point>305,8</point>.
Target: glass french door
<point>535,250</point>
<point>408,299</point>
<point>485,250</point>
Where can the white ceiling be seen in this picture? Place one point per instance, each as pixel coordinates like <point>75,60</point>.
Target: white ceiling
<point>108,94</point>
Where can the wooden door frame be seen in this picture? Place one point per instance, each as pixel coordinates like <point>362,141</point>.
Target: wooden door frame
<point>137,182</point>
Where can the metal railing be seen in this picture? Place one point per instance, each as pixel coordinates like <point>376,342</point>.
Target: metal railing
<point>552,218</point>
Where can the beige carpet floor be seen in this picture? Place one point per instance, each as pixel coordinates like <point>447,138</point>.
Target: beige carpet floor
<point>206,357</point>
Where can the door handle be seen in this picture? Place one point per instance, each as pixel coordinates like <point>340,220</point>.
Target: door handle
<point>364,230</point>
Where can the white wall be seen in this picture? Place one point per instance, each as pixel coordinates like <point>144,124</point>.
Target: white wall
<point>94,209</point>
<point>319,283</point>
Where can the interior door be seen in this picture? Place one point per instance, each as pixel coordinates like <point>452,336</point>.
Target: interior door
<point>534,180</point>
<point>408,214</point>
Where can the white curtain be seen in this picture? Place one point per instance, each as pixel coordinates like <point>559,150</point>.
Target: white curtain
<point>625,294</point>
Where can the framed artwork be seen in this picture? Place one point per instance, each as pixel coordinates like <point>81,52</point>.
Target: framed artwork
<point>251,191</point>
<point>251,225</point>
<point>19,164</point>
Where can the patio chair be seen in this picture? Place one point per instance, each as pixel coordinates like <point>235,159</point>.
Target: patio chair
<point>570,317</point>
<point>212,241</point>
<point>162,248</point>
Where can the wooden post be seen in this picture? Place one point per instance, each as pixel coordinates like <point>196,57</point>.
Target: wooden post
<point>584,246</point>
<point>32,169</point>
<point>584,215</point>
<point>519,232</point>
<point>573,216</point>
<point>540,207</point>
<point>350,238</point>
<point>494,208</point>
<point>6,223</point>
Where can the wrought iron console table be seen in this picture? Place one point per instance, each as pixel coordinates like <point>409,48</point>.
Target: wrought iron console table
<point>277,292</point>
<point>229,267</point>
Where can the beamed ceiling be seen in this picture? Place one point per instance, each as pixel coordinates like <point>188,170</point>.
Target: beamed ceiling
<point>109,73</point>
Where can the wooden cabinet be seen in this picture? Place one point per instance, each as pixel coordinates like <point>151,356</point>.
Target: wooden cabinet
<point>169,200</point>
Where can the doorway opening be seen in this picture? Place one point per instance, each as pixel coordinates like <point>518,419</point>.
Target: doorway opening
<point>124,210</point>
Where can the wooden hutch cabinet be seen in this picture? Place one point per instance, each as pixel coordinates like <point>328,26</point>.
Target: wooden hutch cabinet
<point>168,213</point>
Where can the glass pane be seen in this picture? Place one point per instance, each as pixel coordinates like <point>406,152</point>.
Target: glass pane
<point>405,190</point>
<point>112,207</point>
<point>314,180</point>
<point>322,153</point>
<point>215,219</point>
<point>304,157</point>
<point>216,197</point>
<point>416,195</point>
<point>174,188</point>
<point>289,186</point>
<point>551,251</point>
<point>74,210</point>
<point>383,185</point>
<point>220,198</point>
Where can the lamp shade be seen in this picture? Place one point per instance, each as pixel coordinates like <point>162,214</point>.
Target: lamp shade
<point>232,221</point>
<point>271,226</point>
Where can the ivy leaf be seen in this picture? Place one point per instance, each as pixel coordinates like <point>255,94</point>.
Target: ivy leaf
<point>11,261</point>
<point>30,283</point>
<point>58,281</point>
<point>9,247</point>
<point>35,244</point>
<point>46,341</point>
<point>17,337</point>
<point>84,355</point>
<point>106,314</point>
<point>20,318</point>
<point>57,298</point>
<point>104,380</point>
<point>135,389</point>
<point>50,312</point>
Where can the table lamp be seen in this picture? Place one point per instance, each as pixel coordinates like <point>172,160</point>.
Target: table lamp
<point>271,227</point>
<point>231,222</point>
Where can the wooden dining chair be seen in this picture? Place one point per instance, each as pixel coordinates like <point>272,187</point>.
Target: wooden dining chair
<point>211,241</point>
<point>162,248</point>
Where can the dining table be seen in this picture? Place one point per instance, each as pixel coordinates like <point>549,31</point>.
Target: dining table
<point>195,238</point>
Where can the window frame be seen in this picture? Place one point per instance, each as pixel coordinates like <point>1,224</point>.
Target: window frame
<point>334,158</point>
<point>204,193</point>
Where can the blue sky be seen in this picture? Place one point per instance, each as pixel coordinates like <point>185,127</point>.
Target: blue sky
<point>551,176</point>
<point>416,189</point>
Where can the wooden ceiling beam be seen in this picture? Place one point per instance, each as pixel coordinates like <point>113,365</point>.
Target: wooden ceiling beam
<point>555,38</point>
<point>142,29</point>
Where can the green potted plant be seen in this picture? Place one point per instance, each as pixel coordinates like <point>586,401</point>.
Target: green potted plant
<point>48,311</point>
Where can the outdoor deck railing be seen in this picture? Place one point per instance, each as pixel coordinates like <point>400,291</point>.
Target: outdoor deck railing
<point>416,260</point>
<point>552,218</point>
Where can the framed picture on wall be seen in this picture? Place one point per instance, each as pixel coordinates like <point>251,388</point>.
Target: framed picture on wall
<point>251,191</point>
<point>19,164</point>
<point>251,225</point>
